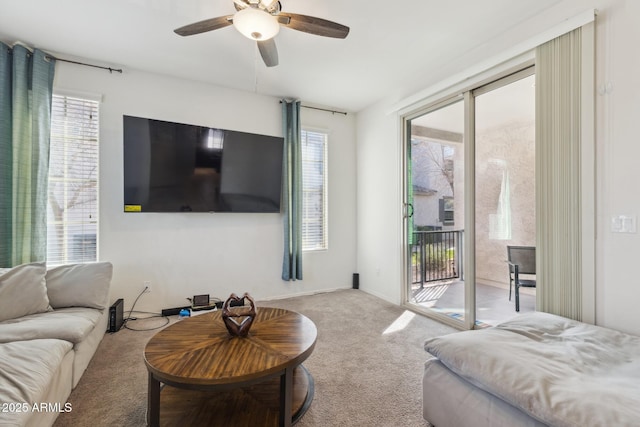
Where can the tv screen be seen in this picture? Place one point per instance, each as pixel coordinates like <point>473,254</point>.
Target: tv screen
<point>174,167</point>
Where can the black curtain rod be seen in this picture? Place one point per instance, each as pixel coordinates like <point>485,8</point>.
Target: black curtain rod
<point>111,70</point>
<point>48,57</point>
<point>322,109</point>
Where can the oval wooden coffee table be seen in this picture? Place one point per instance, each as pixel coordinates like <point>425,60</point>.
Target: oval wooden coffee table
<point>217,379</point>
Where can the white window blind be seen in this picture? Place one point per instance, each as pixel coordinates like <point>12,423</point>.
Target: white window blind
<point>314,191</point>
<point>72,210</point>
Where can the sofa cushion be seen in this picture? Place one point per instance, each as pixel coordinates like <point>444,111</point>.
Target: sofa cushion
<point>27,369</point>
<point>23,291</point>
<point>79,285</point>
<point>71,324</point>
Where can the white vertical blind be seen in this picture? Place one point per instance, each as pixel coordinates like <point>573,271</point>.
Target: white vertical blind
<point>314,192</point>
<point>560,181</point>
<point>72,209</point>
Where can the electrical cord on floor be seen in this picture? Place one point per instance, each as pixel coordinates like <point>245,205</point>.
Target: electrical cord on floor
<point>129,318</point>
<point>134,305</point>
<point>166,322</point>
<point>153,314</point>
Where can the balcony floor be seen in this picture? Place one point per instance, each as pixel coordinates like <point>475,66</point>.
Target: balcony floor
<point>492,302</point>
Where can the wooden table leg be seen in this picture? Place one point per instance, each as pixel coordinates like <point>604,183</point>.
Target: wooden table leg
<point>153,402</point>
<point>286,397</point>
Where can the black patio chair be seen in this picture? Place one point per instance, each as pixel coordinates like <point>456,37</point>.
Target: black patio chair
<point>522,260</point>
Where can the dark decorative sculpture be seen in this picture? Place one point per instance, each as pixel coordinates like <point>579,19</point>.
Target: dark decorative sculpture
<point>239,319</point>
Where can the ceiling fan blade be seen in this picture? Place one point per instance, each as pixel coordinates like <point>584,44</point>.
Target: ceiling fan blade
<point>204,26</point>
<point>271,5</point>
<point>240,4</point>
<point>269,52</point>
<point>313,25</point>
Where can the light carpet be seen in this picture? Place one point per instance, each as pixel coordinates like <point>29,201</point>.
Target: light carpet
<point>367,366</point>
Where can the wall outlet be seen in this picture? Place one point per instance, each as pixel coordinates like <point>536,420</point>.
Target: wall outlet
<point>146,286</point>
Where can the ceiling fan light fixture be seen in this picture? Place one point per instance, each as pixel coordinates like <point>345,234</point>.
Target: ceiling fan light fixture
<point>256,24</point>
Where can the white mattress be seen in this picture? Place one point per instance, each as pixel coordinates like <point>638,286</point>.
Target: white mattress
<point>450,401</point>
<point>558,371</point>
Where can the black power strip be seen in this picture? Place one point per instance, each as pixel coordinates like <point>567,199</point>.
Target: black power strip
<point>174,311</point>
<point>217,304</point>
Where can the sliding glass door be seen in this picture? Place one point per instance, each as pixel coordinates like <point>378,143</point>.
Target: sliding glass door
<point>505,192</point>
<point>435,209</point>
<point>470,193</point>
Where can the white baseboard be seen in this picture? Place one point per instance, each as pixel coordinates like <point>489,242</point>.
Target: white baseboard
<point>302,294</point>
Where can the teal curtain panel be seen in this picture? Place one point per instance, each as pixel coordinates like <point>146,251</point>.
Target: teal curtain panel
<point>292,191</point>
<point>26,84</point>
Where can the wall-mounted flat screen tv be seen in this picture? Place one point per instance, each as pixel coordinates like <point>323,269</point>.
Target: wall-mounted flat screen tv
<point>175,167</point>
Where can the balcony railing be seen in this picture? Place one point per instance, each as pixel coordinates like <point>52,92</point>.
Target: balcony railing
<point>436,255</point>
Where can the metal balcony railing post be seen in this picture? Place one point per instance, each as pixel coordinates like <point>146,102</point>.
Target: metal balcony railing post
<point>461,256</point>
<point>423,261</point>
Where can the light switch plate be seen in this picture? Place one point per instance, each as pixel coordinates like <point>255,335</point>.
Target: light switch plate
<point>623,223</point>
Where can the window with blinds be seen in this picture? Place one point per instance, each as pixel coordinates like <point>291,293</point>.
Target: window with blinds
<point>72,210</point>
<point>314,190</point>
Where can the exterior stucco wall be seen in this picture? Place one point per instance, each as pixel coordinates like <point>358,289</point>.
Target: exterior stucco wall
<point>504,152</point>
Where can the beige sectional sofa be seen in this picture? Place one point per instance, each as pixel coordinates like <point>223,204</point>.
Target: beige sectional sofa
<point>51,323</point>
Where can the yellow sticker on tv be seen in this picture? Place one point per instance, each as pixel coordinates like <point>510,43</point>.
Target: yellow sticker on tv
<point>132,208</point>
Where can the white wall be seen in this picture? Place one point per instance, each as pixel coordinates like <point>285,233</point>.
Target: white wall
<point>617,154</point>
<point>379,208</point>
<point>183,254</point>
<point>618,151</point>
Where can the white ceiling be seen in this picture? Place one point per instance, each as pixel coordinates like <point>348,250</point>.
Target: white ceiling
<point>393,49</point>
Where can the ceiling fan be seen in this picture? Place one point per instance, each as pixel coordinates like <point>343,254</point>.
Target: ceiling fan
<point>260,20</point>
